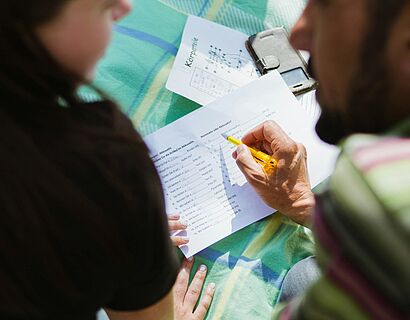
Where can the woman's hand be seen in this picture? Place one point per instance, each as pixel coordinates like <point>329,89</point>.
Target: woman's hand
<point>175,224</point>
<point>287,188</point>
<point>185,298</point>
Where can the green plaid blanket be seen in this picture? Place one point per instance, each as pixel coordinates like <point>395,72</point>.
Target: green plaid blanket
<point>249,266</point>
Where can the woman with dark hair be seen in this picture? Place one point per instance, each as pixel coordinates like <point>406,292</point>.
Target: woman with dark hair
<point>83,218</point>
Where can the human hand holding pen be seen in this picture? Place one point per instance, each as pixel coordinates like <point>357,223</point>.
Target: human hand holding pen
<point>287,187</point>
<point>266,161</point>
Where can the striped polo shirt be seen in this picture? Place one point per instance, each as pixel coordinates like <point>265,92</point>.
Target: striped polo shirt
<point>362,230</point>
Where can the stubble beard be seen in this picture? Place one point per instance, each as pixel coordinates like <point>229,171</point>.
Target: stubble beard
<point>366,110</point>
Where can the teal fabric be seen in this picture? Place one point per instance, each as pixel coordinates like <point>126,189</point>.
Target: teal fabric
<point>249,266</point>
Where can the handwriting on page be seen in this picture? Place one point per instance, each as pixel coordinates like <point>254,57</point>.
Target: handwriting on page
<point>200,178</point>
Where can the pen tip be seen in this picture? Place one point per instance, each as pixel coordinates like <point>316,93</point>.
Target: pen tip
<point>224,135</point>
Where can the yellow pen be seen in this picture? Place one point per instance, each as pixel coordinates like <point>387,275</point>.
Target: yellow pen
<point>267,162</point>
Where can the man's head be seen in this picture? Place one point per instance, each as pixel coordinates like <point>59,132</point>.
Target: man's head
<point>360,54</point>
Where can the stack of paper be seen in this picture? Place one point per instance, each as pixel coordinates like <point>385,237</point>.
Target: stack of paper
<point>201,180</point>
<point>213,61</point>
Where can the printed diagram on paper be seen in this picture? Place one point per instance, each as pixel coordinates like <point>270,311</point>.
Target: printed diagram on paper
<point>240,61</point>
<point>212,61</point>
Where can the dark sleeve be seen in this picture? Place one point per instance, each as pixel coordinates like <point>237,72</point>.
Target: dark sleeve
<point>152,267</point>
<point>151,273</point>
<point>83,194</point>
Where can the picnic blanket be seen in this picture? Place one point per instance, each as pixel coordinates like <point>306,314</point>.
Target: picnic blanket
<point>249,266</point>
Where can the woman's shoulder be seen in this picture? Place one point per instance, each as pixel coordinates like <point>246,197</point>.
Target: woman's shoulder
<point>104,115</point>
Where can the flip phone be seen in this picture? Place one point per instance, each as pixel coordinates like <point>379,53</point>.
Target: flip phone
<point>271,50</point>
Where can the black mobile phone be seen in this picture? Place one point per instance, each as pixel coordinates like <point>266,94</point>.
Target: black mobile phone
<point>271,50</point>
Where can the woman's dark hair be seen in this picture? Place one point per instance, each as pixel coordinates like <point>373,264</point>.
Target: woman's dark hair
<point>27,71</point>
<point>77,186</point>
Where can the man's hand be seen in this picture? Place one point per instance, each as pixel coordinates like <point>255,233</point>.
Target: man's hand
<point>185,298</point>
<point>287,189</point>
<point>175,224</point>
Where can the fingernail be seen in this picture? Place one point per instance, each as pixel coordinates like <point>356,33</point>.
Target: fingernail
<point>202,268</point>
<point>184,224</point>
<point>212,286</point>
<point>190,259</point>
<point>185,239</point>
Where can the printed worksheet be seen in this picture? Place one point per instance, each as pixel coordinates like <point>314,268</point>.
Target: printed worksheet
<point>201,180</point>
<point>212,61</point>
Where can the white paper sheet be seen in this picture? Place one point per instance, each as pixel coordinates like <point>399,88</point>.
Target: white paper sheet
<point>212,61</point>
<point>201,180</point>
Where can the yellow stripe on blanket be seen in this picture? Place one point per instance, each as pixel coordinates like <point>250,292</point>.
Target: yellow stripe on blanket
<point>264,237</point>
<point>254,247</point>
<point>160,79</point>
<point>157,84</point>
<point>231,284</point>
<point>214,10</point>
